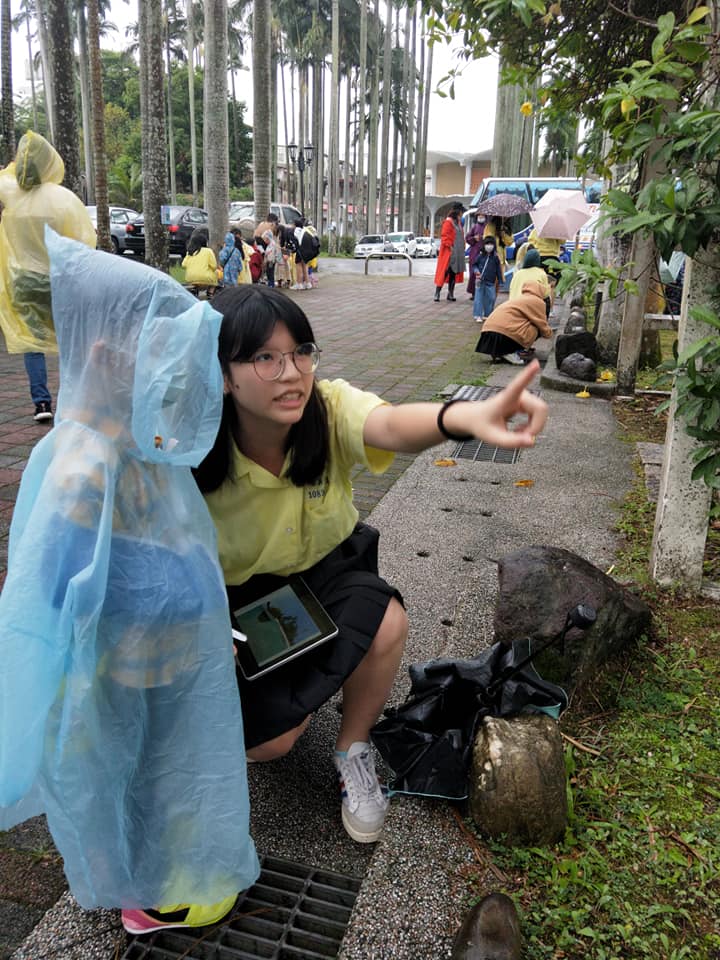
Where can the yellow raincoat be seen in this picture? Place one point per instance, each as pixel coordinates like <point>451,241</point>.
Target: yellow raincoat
<point>31,196</point>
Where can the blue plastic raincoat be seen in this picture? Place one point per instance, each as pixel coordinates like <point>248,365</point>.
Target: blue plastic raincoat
<point>119,710</point>
<point>231,260</point>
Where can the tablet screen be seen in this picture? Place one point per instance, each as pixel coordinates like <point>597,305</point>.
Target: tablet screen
<point>279,626</point>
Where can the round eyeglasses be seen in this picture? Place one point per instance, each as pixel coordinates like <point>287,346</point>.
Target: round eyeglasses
<point>270,364</point>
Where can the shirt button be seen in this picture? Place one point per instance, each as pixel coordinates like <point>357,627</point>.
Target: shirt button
<point>289,530</point>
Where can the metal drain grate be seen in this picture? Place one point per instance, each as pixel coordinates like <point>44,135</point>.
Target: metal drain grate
<point>293,912</point>
<point>475,449</point>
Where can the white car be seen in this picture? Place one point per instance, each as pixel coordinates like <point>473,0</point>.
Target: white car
<point>403,242</point>
<point>426,247</point>
<point>120,217</point>
<point>372,243</point>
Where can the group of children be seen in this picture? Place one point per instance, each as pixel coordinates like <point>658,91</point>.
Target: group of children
<point>278,255</point>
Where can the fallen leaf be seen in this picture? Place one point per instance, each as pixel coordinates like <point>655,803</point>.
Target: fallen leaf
<point>523,483</point>
<point>583,394</point>
<point>446,462</point>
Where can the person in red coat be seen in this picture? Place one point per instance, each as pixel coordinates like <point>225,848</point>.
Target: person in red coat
<point>451,258</point>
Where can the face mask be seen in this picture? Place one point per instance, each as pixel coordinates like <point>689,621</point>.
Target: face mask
<point>488,248</point>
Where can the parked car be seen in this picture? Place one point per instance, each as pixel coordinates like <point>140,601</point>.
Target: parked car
<point>372,243</point>
<point>120,217</point>
<point>426,247</point>
<point>180,223</point>
<point>403,242</point>
<point>241,214</point>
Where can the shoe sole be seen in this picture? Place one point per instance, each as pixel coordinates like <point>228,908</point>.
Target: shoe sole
<point>41,417</point>
<point>138,931</point>
<point>355,835</point>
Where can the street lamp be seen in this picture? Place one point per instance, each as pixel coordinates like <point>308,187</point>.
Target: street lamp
<point>301,158</point>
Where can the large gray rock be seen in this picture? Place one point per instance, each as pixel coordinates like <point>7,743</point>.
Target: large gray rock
<point>578,367</point>
<point>539,585</point>
<point>517,780</point>
<point>582,342</point>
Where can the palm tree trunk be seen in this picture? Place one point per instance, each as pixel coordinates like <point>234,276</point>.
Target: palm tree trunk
<point>62,92</point>
<point>42,23</point>
<point>359,216</point>
<point>31,62</point>
<point>410,126</point>
<point>347,167</point>
<point>319,141</point>
<point>98,126</point>
<point>191,96</point>
<point>426,119</point>
<point>404,113</point>
<point>385,142</point>
<point>8,119</point>
<point>418,214</point>
<point>262,113</point>
<point>85,96</point>
<point>215,125</point>
<point>283,63</point>
<point>152,88</point>
<point>333,150</point>
<point>372,190</point>
<point>170,127</point>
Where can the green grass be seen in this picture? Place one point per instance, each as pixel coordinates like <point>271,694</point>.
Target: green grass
<point>637,875</point>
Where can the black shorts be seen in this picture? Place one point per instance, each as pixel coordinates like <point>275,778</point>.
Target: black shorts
<point>348,585</point>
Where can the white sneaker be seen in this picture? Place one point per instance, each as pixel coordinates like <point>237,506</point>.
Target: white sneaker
<point>297,286</point>
<point>363,803</point>
<point>515,359</point>
<point>308,286</point>
<point>478,319</point>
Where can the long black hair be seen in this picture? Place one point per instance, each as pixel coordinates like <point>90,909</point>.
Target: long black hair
<point>199,238</point>
<point>250,313</point>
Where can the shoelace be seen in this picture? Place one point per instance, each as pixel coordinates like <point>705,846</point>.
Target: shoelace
<point>360,784</point>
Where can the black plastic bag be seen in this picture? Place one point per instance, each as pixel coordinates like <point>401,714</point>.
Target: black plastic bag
<point>427,741</point>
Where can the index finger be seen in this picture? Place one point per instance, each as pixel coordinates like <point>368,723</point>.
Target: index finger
<point>523,379</point>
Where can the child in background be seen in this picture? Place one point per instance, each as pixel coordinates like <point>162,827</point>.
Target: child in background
<point>200,264</point>
<point>231,260</point>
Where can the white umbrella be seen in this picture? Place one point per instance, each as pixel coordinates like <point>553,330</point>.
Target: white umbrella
<point>561,213</point>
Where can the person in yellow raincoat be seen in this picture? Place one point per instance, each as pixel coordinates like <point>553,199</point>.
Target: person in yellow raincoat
<point>32,196</point>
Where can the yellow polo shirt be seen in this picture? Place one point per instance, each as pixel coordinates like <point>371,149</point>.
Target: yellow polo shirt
<point>265,524</point>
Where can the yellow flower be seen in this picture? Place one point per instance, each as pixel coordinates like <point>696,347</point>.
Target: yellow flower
<point>583,394</point>
<point>627,106</point>
<point>526,109</point>
<point>606,375</point>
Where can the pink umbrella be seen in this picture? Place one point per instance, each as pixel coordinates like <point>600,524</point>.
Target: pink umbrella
<point>561,213</point>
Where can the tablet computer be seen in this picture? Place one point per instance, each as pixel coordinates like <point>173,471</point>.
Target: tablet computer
<point>278,627</point>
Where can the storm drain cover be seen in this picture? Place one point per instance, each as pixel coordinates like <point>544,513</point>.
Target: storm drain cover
<point>293,912</point>
<point>476,449</point>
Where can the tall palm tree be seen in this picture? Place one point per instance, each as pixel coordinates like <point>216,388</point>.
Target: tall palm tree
<point>262,111</point>
<point>215,125</point>
<point>385,141</point>
<point>152,112</point>
<point>98,126</point>
<point>372,224</point>
<point>8,117</point>
<point>190,20</point>
<point>24,18</point>
<point>62,91</point>
<point>85,99</point>
<point>333,151</point>
<point>359,216</point>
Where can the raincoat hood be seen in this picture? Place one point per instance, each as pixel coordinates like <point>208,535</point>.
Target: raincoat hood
<point>134,336</point>
<point>37,161</point>
<point>229,240</point>
<point>532,259</point>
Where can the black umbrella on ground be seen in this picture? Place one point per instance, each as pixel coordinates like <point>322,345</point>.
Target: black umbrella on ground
<point>427,741</point>
<point>504,205</point>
